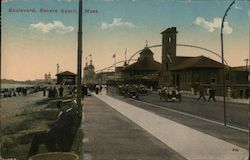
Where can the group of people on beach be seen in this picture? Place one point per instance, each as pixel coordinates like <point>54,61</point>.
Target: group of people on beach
<point>13,92</point>
<point>53,92</point>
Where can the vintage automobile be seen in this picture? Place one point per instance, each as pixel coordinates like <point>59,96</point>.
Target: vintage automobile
<point>143,90</point>
<point>132,92</point>
<point>169,94</point>
<point>129,90</point>
<point>121,90</point>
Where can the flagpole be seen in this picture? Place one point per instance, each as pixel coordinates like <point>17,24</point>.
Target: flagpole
<point>125,63</point>
<point>115,60</point>
<point>114,56</point>
<point>79,59</point>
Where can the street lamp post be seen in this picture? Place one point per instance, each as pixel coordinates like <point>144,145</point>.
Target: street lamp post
<point>222,59</point>
<point>79,58</point>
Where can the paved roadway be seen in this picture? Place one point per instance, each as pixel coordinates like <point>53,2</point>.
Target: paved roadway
<point>237,114</point>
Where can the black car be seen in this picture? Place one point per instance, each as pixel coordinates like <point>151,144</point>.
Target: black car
<point>169,94</point>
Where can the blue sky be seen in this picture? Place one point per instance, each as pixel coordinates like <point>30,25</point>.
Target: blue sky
<point>119,24</point>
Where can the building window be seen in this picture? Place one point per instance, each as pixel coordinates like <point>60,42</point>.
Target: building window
<point>184,78</point>
<point>196,77</point>
<point>167,78</point>
<point>169,39</point>
<point>213,78</point>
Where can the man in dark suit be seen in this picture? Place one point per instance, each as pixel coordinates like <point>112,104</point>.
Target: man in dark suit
<point>62,132</point>
<point>61,91</point>
<point>211,94</point>
<point>201,92</point>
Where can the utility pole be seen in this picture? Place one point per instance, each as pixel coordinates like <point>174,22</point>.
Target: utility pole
<point>247,60</point>
<point>125,62</point>
<point>79,59</point>
<point>248,96</point>
<point>222,59</point>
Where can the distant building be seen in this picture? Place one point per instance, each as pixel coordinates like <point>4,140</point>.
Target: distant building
<point>186,72</point>
<point>197,72</point>
<point>105,77</point>
<point>89,73</point>
<point>145,71</point>
<point>66,78</point>
<point>47,77</point>
<point>238,82</point>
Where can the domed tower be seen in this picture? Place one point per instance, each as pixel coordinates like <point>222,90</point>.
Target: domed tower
<point>91,66</point>
<point>85,72</point>
<point>146,54</point>
<point>169,37</point>
<point>91,72</point>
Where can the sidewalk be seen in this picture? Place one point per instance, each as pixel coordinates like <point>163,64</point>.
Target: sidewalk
<point>111,136</point>
<point>188,142</point>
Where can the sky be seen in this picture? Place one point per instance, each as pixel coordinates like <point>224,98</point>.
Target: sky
<point>38,34</point>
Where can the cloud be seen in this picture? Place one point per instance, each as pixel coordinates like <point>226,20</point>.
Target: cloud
<point>56,26</point>
<point>117,22</point>
<point>213,25</point>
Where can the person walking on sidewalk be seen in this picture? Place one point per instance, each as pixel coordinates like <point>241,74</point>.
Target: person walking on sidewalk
<point>211,94</point>
<point>97,89</point>
<point>55,93</point>
<point>44,91</point>
<point>61,91</point>
<point>201,92</point>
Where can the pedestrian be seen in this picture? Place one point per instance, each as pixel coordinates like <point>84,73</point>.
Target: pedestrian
<point>61,91</point>
<point>44,91</point>
<point>211,94</point>
<point>83,91</point>
<point>100,88</point>
<point>97,89</point>
<point>50,95</point>
<point>55,93</point>
<point>14,93</point>
<point>61,133</point>
<point>201,93</point>
<point>25,91</point>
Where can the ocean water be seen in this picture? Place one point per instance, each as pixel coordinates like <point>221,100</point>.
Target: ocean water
<point>5,85</point>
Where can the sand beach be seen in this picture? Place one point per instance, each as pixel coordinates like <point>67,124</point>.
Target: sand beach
<point>21,118</point>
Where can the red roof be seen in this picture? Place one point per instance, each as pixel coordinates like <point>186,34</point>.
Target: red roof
<point>239,68</point>
<point>197,62</point>
<point>144,65</point>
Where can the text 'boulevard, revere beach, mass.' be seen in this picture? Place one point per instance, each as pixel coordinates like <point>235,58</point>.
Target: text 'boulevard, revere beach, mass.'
<point>49,10</point>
